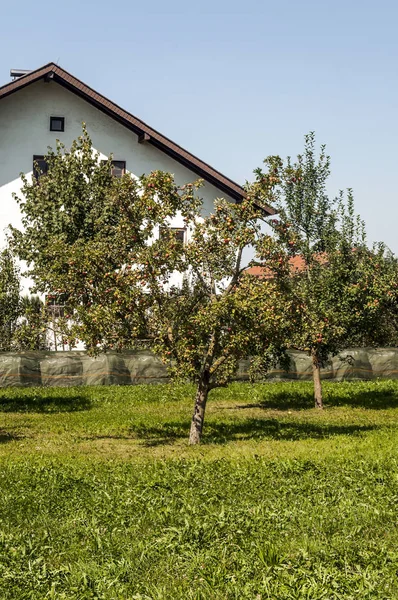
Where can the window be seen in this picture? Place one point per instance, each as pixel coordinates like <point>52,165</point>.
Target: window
<point>118,168</point>
<point>57,123</point>
<point>179,233</point>
<point>40,166</point>
<point>55,304</point>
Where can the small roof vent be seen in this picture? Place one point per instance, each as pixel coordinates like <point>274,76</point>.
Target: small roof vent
<point>17,73</point>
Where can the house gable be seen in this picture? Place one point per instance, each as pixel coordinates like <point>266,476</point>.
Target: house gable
<point>146,135</point>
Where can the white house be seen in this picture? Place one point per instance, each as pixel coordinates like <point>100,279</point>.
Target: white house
<point>46,104</point>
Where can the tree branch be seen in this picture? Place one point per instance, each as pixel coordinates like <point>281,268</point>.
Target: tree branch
<point>237,273</point>
<point>218,363</point>
<point>214,385</point>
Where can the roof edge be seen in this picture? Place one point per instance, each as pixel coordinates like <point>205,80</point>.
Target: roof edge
<point>152,136</point>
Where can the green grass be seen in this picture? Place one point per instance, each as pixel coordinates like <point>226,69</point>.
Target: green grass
<point>101,496</point>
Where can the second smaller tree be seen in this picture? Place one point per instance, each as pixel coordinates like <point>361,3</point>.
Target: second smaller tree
<point>340,288</point>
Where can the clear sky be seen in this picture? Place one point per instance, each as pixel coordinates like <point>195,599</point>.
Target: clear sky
<point>236,81</point>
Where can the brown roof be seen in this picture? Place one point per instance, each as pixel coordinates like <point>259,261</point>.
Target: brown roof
<point>145,133</point>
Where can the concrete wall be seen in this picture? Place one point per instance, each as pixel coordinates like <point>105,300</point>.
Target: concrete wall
<point>65,369</point>
<point>25,132</point>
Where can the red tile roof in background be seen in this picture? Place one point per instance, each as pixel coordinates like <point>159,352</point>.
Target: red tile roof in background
<point>296,263</point>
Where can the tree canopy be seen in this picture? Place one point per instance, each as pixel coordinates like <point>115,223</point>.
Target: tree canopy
<point>344,292</point>
<point>9,298</point>
<point>106,244</point>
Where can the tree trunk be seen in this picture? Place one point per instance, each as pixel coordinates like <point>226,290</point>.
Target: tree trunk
<point>198,416</point>
<point>316,373</point>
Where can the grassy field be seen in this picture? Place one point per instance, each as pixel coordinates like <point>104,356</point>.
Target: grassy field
<point>102,498</point>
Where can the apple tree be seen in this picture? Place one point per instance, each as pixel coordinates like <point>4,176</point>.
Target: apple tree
<point>341,289</point>
<point>105,243</point>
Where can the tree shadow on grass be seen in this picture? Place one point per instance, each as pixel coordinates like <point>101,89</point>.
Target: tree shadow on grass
<point>39,403</point>
<point>304,399</point>
<point>110,436</point>
<point>249,429</point>
<point>6,436</point>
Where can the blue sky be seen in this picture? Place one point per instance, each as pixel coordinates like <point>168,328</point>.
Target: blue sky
<point>236,81</point>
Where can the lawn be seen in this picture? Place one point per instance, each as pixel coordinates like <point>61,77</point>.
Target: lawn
<point>101,497</point>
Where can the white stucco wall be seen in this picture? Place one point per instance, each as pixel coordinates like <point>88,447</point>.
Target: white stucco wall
<point>25,132</point>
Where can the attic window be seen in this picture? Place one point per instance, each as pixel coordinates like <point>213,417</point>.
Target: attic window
<point>40,166</point>
<point>57,123</point>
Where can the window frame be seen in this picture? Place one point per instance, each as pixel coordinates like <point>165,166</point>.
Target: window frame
<point>62,120</point>
<point>176,231</point>
<point>39,158</point>
<point>123,168</point>
<point>55,304</point>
